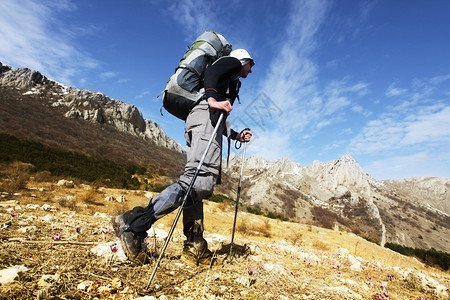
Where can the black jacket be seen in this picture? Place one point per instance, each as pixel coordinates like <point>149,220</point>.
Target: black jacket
<point>222,81</point>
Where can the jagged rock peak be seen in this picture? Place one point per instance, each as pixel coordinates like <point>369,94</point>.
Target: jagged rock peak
<point>347,158</point>
<point>21,77</point>
<point>251,162</point>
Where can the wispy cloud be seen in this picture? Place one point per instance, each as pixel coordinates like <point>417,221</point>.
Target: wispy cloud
<point>399,165</point>
<point>420,119</point>
<point>30,37</point>
<point>108,75</point>
<point>393,91</point>
<point>142,95</point>
<point>195,15</point>
<point>292,83</point>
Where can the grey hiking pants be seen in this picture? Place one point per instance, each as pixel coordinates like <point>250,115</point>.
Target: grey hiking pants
<point>198,130</point>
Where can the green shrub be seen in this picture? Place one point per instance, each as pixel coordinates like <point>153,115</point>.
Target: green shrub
<point>431,257</point>
<point>68,163</point>
<point>276,216</point>
<point>254,211</point>
<point>220,198</point>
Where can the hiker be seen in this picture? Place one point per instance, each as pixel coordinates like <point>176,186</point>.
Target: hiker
<point>221,86</point>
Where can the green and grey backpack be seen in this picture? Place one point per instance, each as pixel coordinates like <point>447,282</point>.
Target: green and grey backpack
<point>185,88</point>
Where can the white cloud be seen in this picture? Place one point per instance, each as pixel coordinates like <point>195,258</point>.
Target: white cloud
<point>411,137</point>
<point>107,75</point>
<point>142,95</point>
<point>378,135</point>
<point>357,108</point>
<point>422,163</point>
<point>393,91</point>
<point>30,37</point>
<point>432,128</point>
<point>419,121</point>
<point>270,145</point>
<point>195,15</point>
<point>292,75</point>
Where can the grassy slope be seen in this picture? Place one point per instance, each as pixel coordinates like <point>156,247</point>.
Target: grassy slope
<point>293,260</point>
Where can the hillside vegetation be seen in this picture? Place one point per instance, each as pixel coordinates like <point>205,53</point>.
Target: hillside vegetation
<point>69,164</point>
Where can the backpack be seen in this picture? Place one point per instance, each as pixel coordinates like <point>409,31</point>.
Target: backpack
<point>185,88</point>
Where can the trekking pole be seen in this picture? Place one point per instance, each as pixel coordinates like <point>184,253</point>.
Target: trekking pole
<point>238,193</point>
<point>169,236</point>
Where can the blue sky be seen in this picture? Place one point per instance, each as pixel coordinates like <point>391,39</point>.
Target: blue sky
<point>368,78</point>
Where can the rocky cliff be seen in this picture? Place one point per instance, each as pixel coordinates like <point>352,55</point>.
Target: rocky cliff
<point>88,105</point>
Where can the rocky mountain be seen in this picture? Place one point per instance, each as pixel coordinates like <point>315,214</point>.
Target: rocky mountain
<point>337,194</point>
<point>87,105</point>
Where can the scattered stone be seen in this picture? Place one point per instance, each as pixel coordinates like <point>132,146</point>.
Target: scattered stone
<point>47,207</point>
<point>66,183</point>
<point>47,281</point>
<point>27,229</point>
<point>85,285</point>
<point>116,283</point>
<point>148,195</point>
<point>341,290</point>
<point>102,215</point>
<point>9,203</point>
<point>419,281</point>
<point>33,206</point>
<point>104,250</point>
<point>157,233</point>
<point>47,218</point>
<point>121,198</point>
<point>109,198</point>
<point>146,298</point>
<point>8,275</point>
<point>245,281</point>
<point>5,225</point>
<point>104,289</point>
<point>355,263</point>
<point>275,269</point>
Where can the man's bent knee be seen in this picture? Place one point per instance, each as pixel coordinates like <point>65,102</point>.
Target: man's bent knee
<point>203,187</point>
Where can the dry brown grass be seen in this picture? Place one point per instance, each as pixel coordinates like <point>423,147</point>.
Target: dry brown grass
<point>14,176</point>
<point>278,267</point>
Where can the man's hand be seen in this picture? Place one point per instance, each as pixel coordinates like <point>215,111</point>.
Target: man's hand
<point>220,105</point>
<point>245,136</point>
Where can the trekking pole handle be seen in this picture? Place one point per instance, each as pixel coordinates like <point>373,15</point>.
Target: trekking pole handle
<point>238,146</point>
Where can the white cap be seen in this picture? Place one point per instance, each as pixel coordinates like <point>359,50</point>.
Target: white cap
<point>243,56</point>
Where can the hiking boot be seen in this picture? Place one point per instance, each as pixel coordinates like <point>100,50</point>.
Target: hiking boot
<point>133,245</point>
<point>196,252</point>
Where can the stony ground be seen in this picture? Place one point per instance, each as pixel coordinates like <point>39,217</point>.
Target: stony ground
<point>57,243</point>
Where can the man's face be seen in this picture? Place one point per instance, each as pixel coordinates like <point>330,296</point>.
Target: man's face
<point>247,68</point>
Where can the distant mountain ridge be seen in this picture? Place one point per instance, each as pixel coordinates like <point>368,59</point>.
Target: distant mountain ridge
<point>414,212</point>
